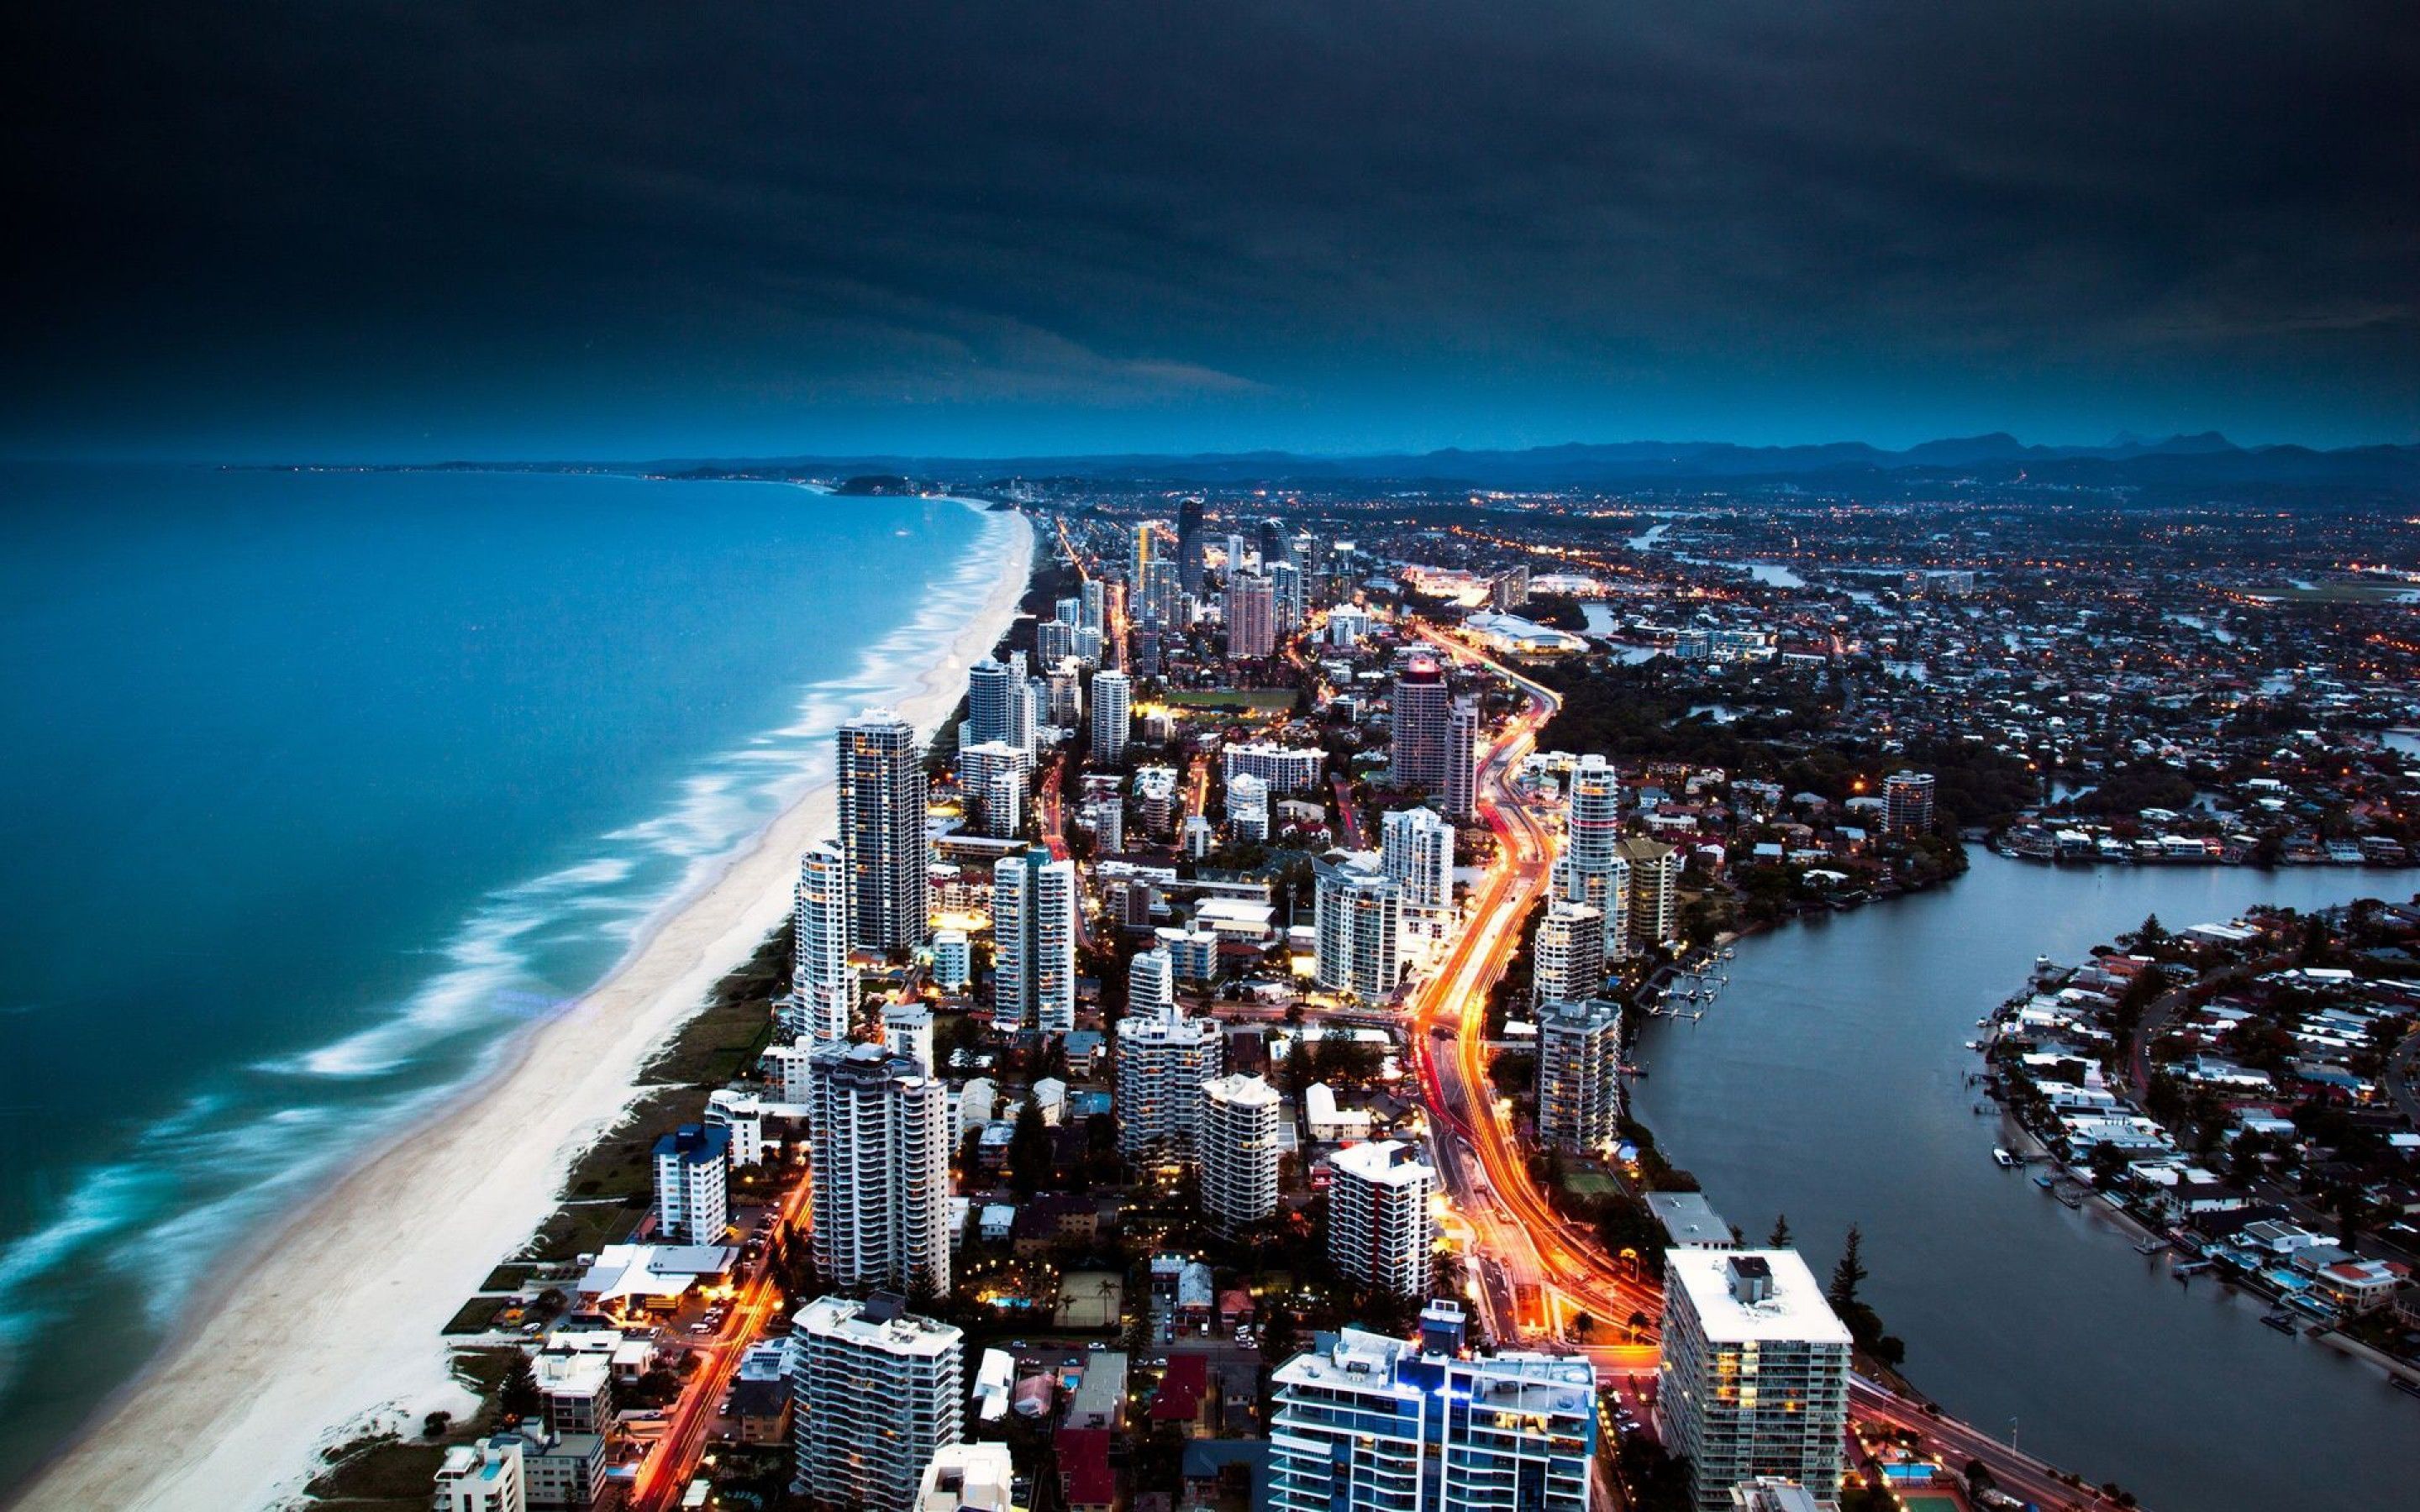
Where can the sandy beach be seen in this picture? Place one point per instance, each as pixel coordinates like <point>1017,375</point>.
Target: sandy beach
<point>333,1326</point>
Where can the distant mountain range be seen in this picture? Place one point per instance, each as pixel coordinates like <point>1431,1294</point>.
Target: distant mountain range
<point>2203,463</point>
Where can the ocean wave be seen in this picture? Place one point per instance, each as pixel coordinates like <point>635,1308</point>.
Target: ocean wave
<point>194,1182</point>
<point>616,897</point>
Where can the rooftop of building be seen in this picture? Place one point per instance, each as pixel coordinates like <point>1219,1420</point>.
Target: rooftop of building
<point>880,1321</point>
<point>695,1144</point>
<point>653,1270</point>
<point>1245,1091</point>
<point>1690,1220</point>
<point>1791,1307</point>
<point>1384,1162</point>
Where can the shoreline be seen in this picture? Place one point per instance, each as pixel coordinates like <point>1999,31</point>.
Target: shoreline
<point>233,1410</point>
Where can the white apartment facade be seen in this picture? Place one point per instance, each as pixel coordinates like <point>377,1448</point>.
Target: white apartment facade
<point>1567,954</point>
<point>1033,943</point>
<point>1359,928</point>
<point>1280,769</point>
<point>1592,871</point>
<point>1380,1226</point>
<point>879,1392</point>
<point>823,981</point>
<point>1239,1152</point>
<point>485,1476</point>
<point>881,793</point>
<point>1579,1074</point>
<point>1164,1057</point>
<point>693,1184</point>
<point>1755,1375</point>
<point>1370,1425</point>
<point>1112,727</point>
<point>882,1132</point>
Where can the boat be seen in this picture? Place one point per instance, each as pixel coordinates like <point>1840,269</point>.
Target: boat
<point>1973,1044</point>
<point>2069,1196</point>
<point>2405,1384</point>
<point>2045,1180</point>
<point>2006,1161</point>
<point>2279,1321</point>
<point>2149,1246</point>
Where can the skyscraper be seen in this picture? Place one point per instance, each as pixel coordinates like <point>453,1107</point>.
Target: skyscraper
<point>1567,957</point>
<point>1111,692</point>
<point>1238,1144</point>
<point>693,1184</point>
<point>1592,871</point>
<point>952,960</point>
<point>1285,592</point>
<point>1418,726</point>
<point>1275,547</point>
<point>1755,1374</point>
<point>1163,1059</point>
<point>1360,927</point>
<point>1460,793</point>
<point>908,1030</point>
<point>822,981</point>
<point>1251,617</point>
<point>1907,801</point>
<point>998,705</point>
<point>882,831</point>
<point>1033,943</point>
<point>1064,700</point>
<point>1579,1074</point>
<point>1379,1227</point>
<point>1151,984</point>
<point>1054,640</point>
<point>882,1132</point>
<point>1095,601</point>
<point>1654,891</point>
<point>1190,542</point>
<point>1367,1425</point>
<point>1247,807</point>
<point>878,1392</point>
<point>1146,553</point>
<point>1417,850</point>
<point>992,779</point>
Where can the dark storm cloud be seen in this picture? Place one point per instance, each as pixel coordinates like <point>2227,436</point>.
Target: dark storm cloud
<point>1290,222</point>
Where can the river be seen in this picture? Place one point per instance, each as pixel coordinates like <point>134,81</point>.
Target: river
<point>1828,1083</point>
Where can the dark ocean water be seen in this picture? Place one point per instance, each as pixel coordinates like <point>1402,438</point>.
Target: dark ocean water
<point>316,786</point>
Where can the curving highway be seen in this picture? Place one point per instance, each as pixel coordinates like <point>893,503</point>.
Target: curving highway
<point>1522,1249</point>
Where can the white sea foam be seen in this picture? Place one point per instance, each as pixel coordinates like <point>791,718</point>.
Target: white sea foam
<point>245,1165</point>
<point>617,896</point>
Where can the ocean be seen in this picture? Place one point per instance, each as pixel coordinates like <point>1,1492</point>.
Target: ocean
<point>320,785</point>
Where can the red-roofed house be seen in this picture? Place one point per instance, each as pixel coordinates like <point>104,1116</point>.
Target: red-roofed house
<point>2359,1286</point>
<point>1183,1397</point>
<point>1236,1308</point>
<point>1086,1482</point>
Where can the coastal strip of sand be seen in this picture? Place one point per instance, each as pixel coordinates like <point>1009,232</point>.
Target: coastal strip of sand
<point>332,1325</point>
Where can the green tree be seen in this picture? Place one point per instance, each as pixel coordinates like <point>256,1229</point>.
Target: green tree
<point>518,1396</point>
<point>1028,1150</point>
<point>1850,1274</point>
<point>2108,1163</point>
<point>1779,1238</point>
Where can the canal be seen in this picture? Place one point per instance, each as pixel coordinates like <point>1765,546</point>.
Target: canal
<point>1829,1082</point>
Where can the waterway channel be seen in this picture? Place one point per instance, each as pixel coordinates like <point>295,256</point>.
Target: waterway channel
<point>1829,1082</point>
